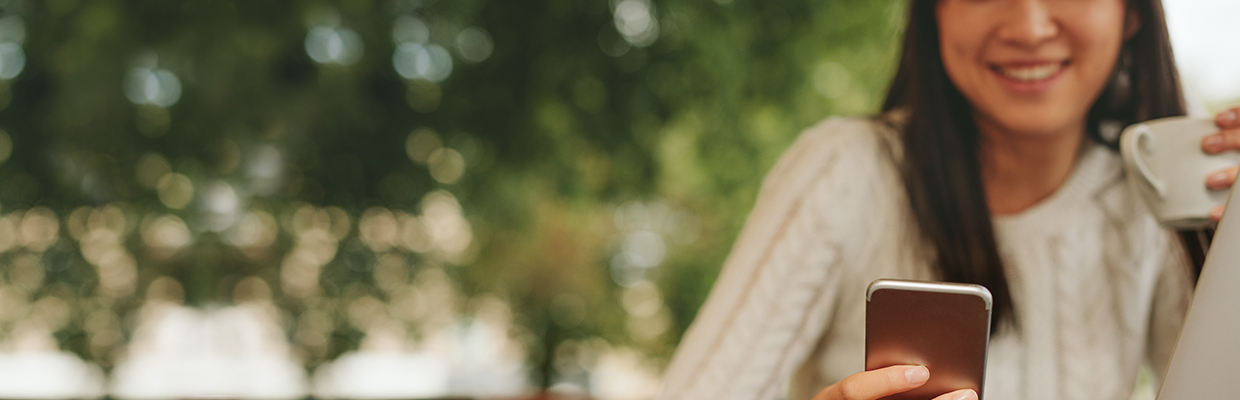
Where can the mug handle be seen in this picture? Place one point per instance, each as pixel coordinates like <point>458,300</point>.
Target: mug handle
<point>1131,143</point>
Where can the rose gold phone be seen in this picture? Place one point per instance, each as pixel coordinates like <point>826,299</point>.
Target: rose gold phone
<point>943,326</point>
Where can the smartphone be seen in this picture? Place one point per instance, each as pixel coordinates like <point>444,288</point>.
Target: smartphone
<point>943,326</point>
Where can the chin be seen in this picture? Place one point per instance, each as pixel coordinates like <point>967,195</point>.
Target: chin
<point>1023,121</point>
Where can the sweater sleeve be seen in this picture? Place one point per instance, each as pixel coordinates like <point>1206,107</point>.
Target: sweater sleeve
<point>1172,294</point>
<point>775,293</point>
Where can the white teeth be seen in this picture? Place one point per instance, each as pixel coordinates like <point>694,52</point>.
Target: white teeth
<point>1032,73</point>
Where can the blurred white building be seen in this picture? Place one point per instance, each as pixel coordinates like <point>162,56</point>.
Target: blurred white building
<point>233,352</point>
<point>48,374</point>
<point>473,357</point>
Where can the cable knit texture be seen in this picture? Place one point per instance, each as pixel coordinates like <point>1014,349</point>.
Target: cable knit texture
<point>1100,288</point>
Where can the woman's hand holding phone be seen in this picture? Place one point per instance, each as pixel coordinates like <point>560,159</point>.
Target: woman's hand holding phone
<point>879,383</point>
<point>1227,139</point>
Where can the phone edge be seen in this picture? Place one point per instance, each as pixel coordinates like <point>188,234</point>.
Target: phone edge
<point>937,287</point>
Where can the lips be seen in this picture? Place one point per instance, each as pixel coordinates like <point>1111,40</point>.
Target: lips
<point>1029,72</point>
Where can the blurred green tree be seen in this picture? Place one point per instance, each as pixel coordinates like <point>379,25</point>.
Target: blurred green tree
<point>550,122</point>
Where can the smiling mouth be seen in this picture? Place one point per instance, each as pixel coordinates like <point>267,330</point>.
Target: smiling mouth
<point>1030,72</point>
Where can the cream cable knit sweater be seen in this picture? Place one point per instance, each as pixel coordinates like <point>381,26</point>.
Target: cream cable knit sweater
<point>1100,287</point>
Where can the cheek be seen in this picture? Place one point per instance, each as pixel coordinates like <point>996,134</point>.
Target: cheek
<point>959,46</point>
<point>1099,40</point>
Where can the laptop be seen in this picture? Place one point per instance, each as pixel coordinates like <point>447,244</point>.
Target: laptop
<point>1206,361</point>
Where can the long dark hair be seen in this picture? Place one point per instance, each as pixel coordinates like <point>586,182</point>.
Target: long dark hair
<point>941,167</point>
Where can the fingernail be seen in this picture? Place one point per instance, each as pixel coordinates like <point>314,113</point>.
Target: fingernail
<point>1216,213</point>
<point>966,394</point>
<point>1217,180</point>
<point>1212,142</point>
<point>916,375</point>
<point>1227,116</point>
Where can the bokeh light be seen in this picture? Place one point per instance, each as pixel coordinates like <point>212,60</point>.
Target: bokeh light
<point>175,190</point>
<point>378,229</point>
<point>644,230</point>
<point>220,203</point>
<point>317,234</point>
<point>413,235</point>
<point>445,225</point>
<point>421,143</point>
<point>446,165</point>
<point>151,86</point>
<point>166,232</point>
<point>391,272</point>
<point>327,45</point>
<point>255,229</point>
<point>635,20</point>
<point>12,29</point>
<point>12,57</point>
<point>39,229</point>
<point>265,170</point>
<point>12,60</point>
<point>26,272</point>
<point>474,44</point>
<point>410,29</point>
<point>416,61</point>
<point>10,235</point>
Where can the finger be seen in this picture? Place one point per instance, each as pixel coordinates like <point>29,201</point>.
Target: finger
<point>1228,119</point>
<point>1227,139</point>
<point>963,394</point>
<point>1222,179</point>
<point>1216,213</point>
<point>875,384</point>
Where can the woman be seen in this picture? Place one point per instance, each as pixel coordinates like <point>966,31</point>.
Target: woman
<point>994,163</point>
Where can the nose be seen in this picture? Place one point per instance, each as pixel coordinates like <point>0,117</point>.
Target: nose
<point>1028,23</point>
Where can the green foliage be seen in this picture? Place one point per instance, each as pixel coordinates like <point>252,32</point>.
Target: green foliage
<point>555,132</point>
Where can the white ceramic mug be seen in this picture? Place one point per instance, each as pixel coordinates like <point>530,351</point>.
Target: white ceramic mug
<point>1166,165</point>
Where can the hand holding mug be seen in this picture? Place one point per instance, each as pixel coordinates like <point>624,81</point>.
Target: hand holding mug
<point>1166,159</point>
<point>1227,139</point>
